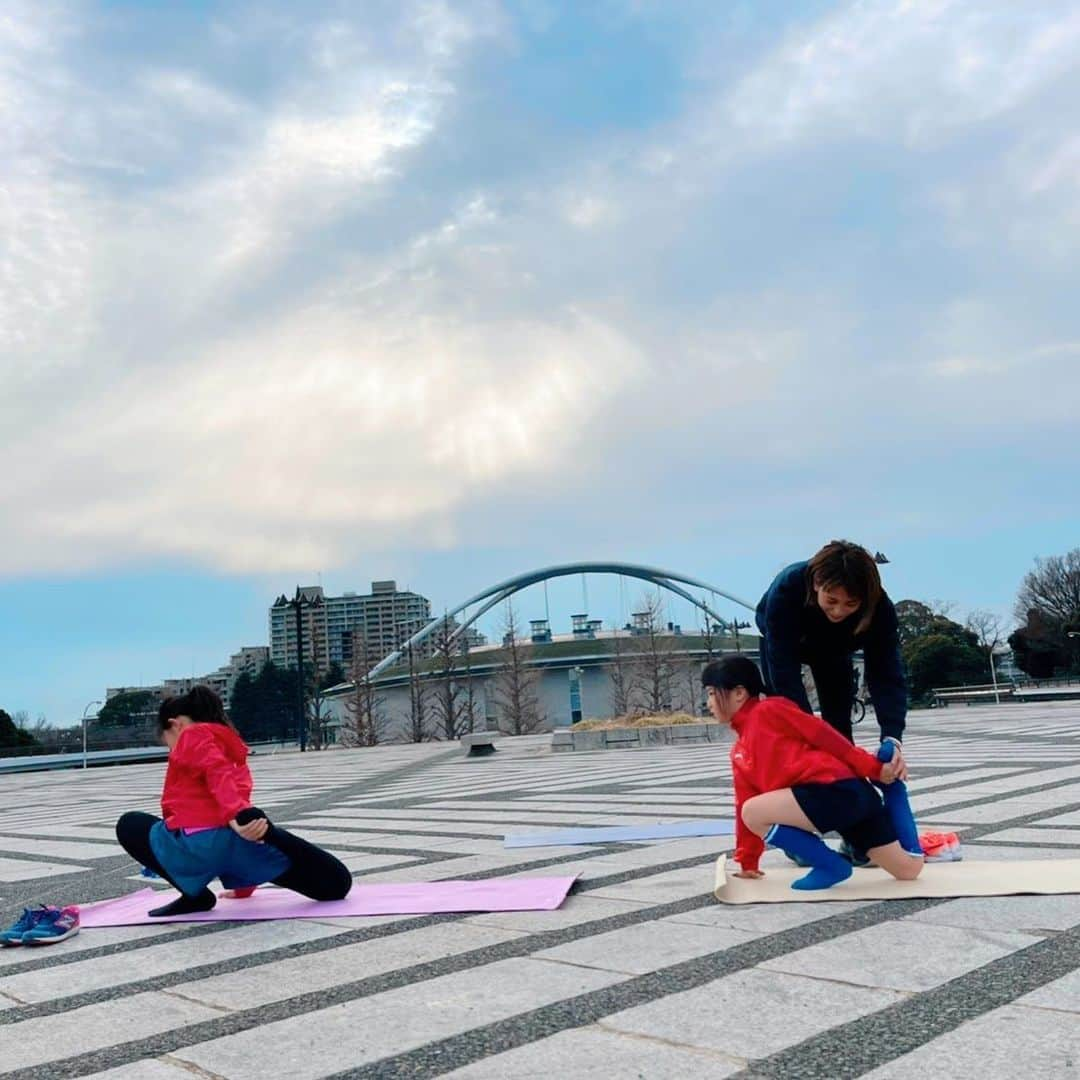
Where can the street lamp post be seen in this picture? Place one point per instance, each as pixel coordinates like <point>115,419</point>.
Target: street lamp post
<point>296,604</point>
<point>84,712</point>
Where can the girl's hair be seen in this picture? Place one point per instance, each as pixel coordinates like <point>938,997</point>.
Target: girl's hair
<point>844,565</point>
<point>731,671</point>
<point>200,703</point>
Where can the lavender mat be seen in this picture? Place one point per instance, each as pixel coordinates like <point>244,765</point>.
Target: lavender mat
<point>380,898</point>
<point>620,833</point>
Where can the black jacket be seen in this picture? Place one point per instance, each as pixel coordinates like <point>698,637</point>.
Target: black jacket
<point>795,632</point>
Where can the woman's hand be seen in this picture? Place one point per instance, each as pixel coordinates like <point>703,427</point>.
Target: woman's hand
<point>896,769</point>
<point>254,830</point>
<point>749,873</point>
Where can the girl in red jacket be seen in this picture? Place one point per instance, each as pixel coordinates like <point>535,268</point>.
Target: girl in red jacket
<point>796,777</point>
<point>209,828</point>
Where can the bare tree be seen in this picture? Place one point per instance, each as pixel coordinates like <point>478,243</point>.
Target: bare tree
<point>1052,589</point>
<point>417,728</point>
<point>622,677</point>
<point>315,700</point>
<point>449,704</point>
<point>654,664</point>
<point>364,707</point>
<point>516,683</point>
<point>711,636</point>
<point>469,703</point>
<point>690,680</point>
<point>987,627</point>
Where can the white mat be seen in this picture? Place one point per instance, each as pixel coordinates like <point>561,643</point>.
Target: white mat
<point>966,878</point>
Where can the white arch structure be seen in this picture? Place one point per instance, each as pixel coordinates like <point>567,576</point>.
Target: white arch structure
<point>496,594</point>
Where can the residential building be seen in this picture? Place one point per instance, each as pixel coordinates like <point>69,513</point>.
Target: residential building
<point>386,617</point>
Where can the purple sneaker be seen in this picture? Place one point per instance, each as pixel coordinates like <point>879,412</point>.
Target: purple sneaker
<point>26,922</point>
<point>53,926</point>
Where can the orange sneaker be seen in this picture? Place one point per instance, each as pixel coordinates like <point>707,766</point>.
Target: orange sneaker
<point>237,894</point>
<point>940,847</point>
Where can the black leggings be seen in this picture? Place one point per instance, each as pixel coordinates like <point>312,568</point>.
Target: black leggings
<point>314,873</point>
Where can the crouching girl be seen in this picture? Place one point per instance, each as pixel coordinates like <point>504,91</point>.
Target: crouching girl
<point>209,827</point>
<point>796,778</point>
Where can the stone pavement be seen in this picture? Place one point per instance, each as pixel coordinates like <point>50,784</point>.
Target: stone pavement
<point>640,974</point>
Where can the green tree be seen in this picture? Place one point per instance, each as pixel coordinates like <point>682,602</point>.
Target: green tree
<point>943,660</point>
<point>11,734</point>
<point>335,676</point>
<point>128,709</point>
<point>1048,605</point>
<point>1039,647</point>
<point>937,651</point>
<point>915,620</point>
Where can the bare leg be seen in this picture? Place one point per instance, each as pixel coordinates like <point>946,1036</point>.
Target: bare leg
<point>762,812</point>
<point>893,858</point>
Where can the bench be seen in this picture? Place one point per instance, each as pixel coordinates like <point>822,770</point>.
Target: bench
<point>479,743</point>
<point>972,697</point>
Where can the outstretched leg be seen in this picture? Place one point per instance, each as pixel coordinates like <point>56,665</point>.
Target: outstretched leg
<point>313,872</point>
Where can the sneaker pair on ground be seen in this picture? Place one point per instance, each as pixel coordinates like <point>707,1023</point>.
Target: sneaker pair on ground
<point>43,925</point>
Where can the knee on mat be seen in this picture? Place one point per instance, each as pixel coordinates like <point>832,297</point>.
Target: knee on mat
<point>911,870</point>
<point>337,884</point>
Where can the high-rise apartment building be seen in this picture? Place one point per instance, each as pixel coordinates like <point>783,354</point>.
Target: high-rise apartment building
<point>332,625</point>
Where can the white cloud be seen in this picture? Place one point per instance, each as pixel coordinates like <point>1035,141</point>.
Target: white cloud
<point>286,448</point>
<point>909,69</point>
<point>276,329</point>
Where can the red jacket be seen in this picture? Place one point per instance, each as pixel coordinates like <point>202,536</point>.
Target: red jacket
<point>207,782</point>
<point>778,746</point>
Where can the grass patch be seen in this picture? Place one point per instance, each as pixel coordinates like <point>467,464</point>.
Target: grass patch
<point>636,721</point>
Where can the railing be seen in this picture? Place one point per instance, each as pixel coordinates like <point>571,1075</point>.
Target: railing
<point>1006,689</point>
<point>33,759</point>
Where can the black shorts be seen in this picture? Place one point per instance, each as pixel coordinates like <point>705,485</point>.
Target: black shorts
<point>853,808</point>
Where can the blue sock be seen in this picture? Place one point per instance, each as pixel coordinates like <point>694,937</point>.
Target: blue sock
<point>828,867</point>
<point>899,807</point>
<point>896,802</point>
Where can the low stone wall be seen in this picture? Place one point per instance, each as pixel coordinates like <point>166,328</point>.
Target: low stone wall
<point>568,739</point>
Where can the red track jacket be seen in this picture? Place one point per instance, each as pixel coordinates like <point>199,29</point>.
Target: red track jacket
<point>207,782</point>
<point>778,746</point>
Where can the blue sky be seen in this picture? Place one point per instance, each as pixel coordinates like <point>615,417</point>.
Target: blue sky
<point>446,291</point>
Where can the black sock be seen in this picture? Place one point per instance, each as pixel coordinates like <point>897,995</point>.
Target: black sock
<point>184,905</point>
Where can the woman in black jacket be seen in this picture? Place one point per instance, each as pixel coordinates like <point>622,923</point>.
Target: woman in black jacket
<point>820,613</point>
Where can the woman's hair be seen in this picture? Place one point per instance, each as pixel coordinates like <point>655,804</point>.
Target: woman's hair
<point>841,564</point>
<point>731,671</point>
<point>200,703</point>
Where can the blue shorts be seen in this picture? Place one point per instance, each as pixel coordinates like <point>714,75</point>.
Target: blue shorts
<point>194,860</point>
<point>853,808</point>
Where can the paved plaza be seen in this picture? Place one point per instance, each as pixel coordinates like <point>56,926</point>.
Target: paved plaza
<point>641,973</point>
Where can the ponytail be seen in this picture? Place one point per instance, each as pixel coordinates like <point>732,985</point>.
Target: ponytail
<point>200,703</point>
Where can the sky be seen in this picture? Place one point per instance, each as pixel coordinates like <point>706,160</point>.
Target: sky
<point>447,291</point>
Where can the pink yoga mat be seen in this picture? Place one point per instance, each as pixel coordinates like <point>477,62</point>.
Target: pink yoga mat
<point>378,898</point>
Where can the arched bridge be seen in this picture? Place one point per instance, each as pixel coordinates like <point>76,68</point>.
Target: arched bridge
<point>496,594</point>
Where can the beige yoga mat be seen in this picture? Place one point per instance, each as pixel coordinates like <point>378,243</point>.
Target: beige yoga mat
<point>965,878</point>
